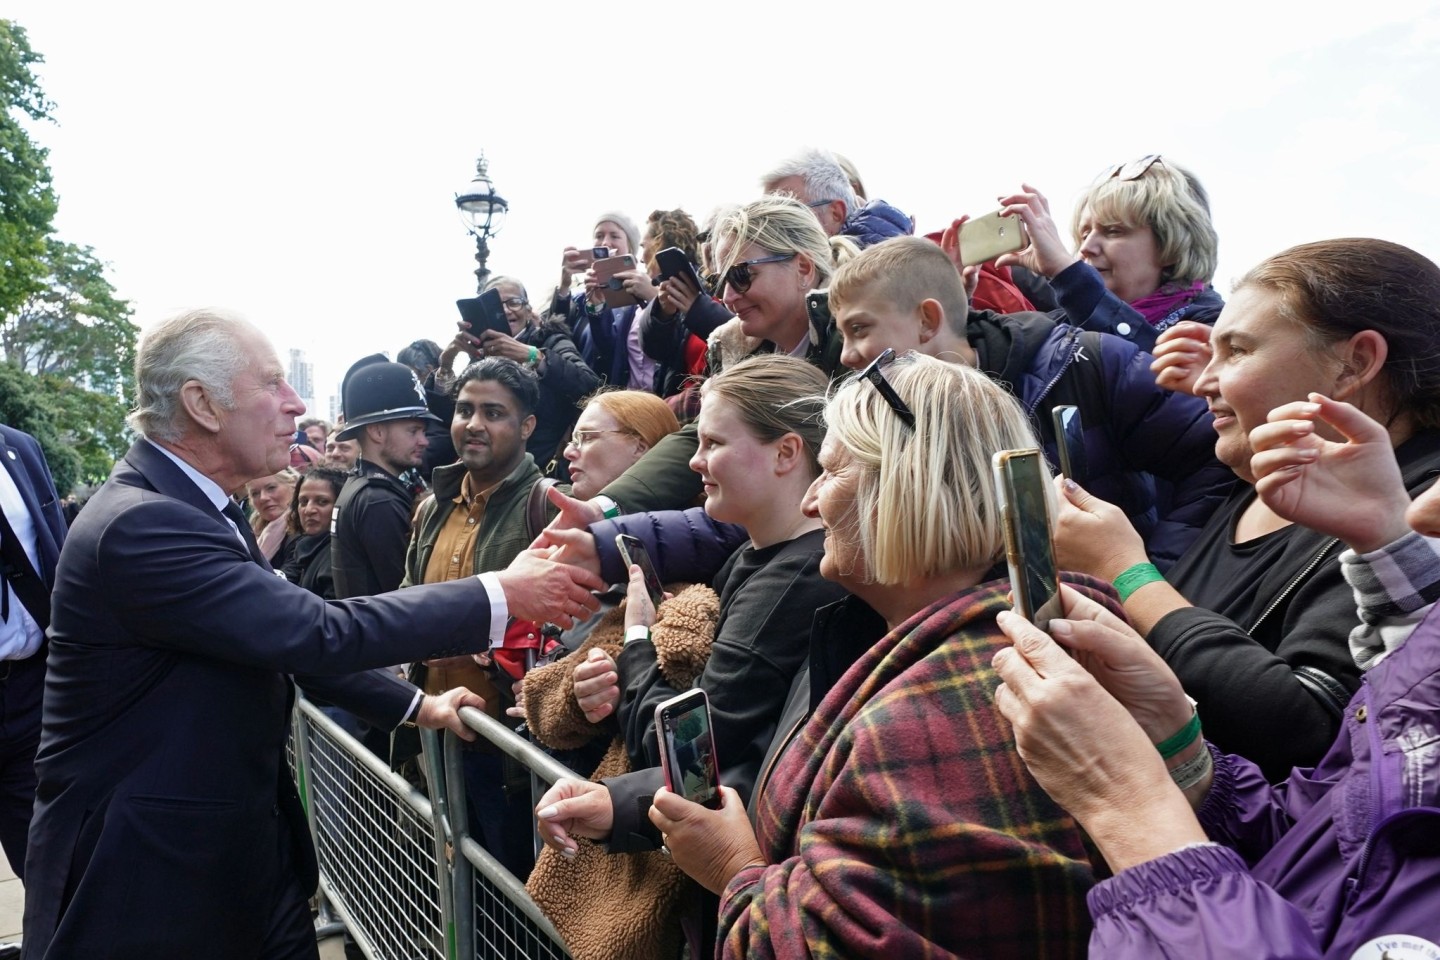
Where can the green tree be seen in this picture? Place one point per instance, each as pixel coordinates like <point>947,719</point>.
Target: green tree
<point>29,404</point>
<point>27,199</point>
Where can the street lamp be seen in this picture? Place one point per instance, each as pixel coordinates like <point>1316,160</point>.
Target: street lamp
<point>482,210</point>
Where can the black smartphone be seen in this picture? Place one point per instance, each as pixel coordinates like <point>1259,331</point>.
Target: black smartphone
<point>1023,488</point>
<point>673,262</point>
<point>687,748</point>
<point>1070,441</point>
<point>484,312</point>
<point>633,552</point>
<point>817,307</point>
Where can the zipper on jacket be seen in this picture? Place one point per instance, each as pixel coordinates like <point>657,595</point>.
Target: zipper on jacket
<point>1315,561</point>
<point>1075,347</point>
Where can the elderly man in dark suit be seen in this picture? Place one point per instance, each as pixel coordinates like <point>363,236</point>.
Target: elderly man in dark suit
<point>31,532</point>
<point>166,822</point>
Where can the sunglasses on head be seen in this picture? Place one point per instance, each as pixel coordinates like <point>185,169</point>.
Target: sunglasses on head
<point>740,276</point>
<point>876,378</point>
<point>1134,169</point>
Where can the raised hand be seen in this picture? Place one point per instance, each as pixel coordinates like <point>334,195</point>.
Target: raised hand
<point>1046,254</point>
<point>1182,352</point>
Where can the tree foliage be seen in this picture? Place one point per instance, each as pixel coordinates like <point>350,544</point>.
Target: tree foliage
<point>66,340</point>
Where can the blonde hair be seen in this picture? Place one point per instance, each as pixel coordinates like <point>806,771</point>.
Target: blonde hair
<point>775,394</point>
<point>925,502</point>
<point>905,272</point>
<point>779,224</point>
<point>1171,202</point>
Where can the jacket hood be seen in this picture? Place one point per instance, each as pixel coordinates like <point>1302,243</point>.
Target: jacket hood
<point>1006,344</point>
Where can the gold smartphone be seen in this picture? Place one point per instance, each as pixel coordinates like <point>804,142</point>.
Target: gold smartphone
<point>985,238</point>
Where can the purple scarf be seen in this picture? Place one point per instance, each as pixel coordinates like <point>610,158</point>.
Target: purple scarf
<point>1157,307</point>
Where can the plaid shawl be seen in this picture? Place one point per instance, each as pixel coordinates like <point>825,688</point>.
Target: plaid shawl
<point>903,824</point>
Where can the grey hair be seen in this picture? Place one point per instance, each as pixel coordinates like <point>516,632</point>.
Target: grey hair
<point>825,178</point>
<point>196,345</point>
<point>495,281</point>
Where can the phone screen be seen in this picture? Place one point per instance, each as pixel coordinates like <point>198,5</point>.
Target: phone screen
<point>1070,442</point>
<point>683,724</point>
<point>1034,580</point>
<point>632,551</point>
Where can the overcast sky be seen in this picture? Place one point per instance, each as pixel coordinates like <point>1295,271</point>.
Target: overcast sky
<point>298,161</point>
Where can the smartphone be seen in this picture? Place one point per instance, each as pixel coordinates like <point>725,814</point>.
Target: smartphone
<point>1023,487</point>
<point>985,238</point>
<point>616,296</point>
<point>633,552</point>
<point>673,262</point>
<point>1070,441</point>
<point>687,748</point>
<point>484,312</point>
<point>599,253</point>
<point>817,307</point>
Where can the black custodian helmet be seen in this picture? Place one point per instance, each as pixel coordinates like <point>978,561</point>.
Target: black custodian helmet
<point>376,390</point>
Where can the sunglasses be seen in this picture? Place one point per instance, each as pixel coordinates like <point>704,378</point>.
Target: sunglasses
<point>1134,169</point>
<point>740,276</point>
<point>873,374</point>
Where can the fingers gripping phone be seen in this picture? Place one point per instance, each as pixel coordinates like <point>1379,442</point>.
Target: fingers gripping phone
<point>687,748</point>
<point>1023,488</point>
<point>1070,442</point>
<point>633,552</point>
<point>614,291</point>
<point>484,312</point>
<point>673,262</point>
<point>985,238</point>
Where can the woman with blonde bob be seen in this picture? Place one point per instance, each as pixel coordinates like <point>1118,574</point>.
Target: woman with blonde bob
<point>896,821</point>
<point>1145,251</point>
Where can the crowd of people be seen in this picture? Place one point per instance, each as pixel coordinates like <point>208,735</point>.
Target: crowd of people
<point>1227,743</point>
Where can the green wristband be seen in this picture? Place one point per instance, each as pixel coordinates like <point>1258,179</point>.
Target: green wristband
<point>608,508</point>
<point>1136,577</point>
<point>1178,741</point>
<point>533,357</point>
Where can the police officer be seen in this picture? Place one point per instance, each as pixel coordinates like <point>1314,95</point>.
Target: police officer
<point>385,412</point>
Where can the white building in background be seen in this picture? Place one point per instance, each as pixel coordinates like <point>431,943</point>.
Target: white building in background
<point>302,377</point>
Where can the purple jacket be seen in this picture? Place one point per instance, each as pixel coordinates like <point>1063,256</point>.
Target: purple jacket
<point>1344,859</point>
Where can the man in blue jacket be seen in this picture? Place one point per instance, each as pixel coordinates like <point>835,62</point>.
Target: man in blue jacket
<point>905,294</point>
<point>816,179</point>
<point>166,821</point>
<point>32,530</point>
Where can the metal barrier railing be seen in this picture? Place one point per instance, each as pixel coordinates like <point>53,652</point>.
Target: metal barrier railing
<point>387,852</point>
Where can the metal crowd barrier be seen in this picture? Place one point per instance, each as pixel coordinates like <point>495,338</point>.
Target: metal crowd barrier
<point>388,869</point>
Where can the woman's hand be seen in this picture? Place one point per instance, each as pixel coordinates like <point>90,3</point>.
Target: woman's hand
<point>1092,536</point>
<point>709,845</point>
<point>637,284</point>
<point>1087,752</point>
<point>463,345</point>
<point>677,295</point>
<point>639,611</point>
<point>574,808</point>
<point>496,344</point>
<point>594,289</point>
<point>517,690</point>
<point>573,261</point>
<point>1350,489</point>
<point>597,685</point>
<point>1181,353</point>
<point>1122,662</point>
<point>1046,254</point>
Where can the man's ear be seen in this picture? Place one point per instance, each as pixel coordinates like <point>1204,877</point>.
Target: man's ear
<point>375,432</point>
<point>1362,357</point>
<point>200,406</point>
<point>932,318</point>
<point>837,213</point>
<point>527,427</point>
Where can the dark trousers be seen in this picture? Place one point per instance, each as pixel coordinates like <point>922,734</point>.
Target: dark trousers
<point>22,686</point>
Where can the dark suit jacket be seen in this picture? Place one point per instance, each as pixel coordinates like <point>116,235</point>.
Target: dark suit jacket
<point>166,821</point>
<point>26,463</point>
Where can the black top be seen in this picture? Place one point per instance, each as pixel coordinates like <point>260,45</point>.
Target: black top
<point>369,533</point>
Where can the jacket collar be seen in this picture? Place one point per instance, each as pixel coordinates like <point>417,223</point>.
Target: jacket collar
<point>445,481</point>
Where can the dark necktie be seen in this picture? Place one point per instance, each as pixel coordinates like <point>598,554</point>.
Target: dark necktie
<point>237,517</point>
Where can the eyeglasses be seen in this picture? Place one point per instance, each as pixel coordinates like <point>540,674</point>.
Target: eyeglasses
<point>516,302</point>
<point>739,277</point>
<point>580,438</point>
<point>873,374</point>
<point>819,203</point>
<point>1134,169</point>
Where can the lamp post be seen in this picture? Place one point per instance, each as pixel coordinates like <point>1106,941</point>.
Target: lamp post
<point>482,210</point>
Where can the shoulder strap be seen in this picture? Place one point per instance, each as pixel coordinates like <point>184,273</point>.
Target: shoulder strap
<point>535,506</point>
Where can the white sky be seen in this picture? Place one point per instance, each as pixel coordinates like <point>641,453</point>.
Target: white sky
<point>298,161</point>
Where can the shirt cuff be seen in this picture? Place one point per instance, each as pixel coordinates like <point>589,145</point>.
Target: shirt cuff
<point>499,609</point>
<point>412,712</point>
<point>1399,578</point>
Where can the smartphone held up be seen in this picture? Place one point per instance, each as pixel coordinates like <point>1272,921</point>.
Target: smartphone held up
<point>1023,489</point>
<point>687,748</point>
